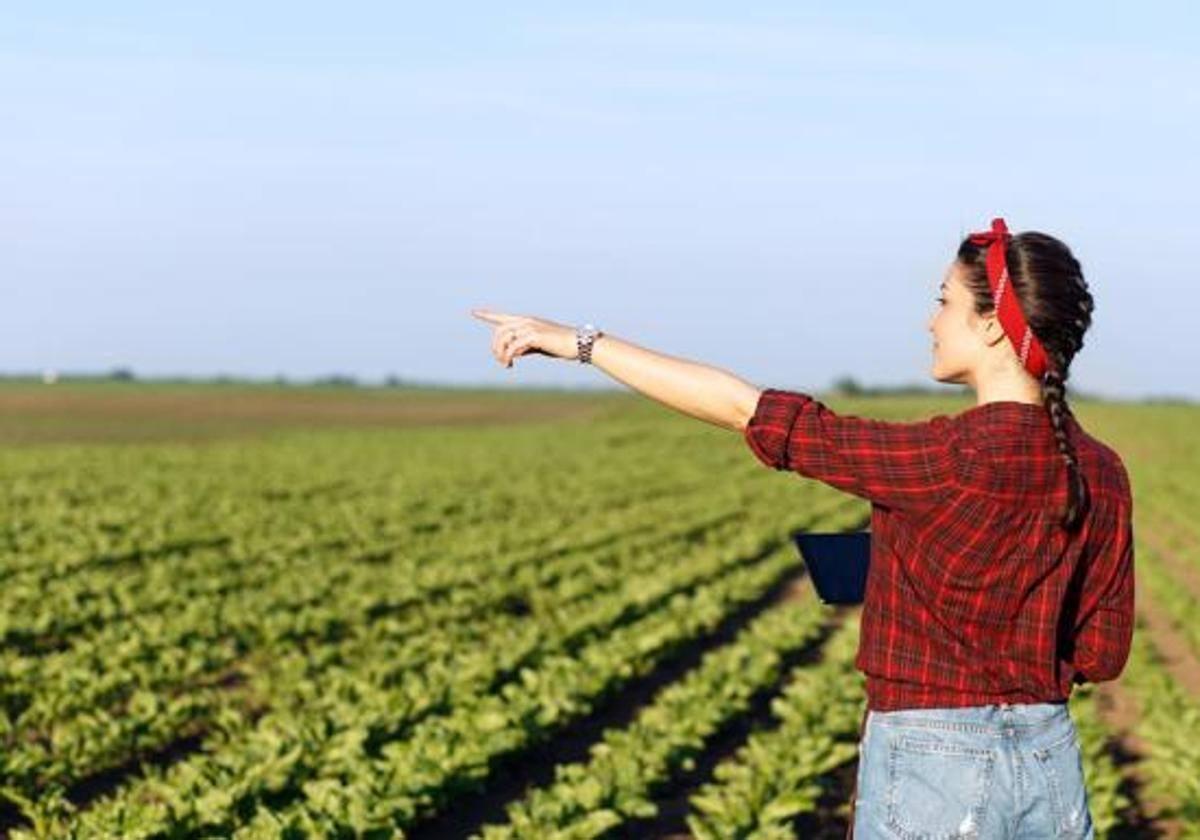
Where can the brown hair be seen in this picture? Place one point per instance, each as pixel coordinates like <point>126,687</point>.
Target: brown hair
<point>1049,285</point>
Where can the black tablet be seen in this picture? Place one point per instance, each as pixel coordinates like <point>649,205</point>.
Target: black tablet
<point>837,564</point>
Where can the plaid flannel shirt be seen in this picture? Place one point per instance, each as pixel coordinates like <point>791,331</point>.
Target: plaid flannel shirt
<point>975,593</point>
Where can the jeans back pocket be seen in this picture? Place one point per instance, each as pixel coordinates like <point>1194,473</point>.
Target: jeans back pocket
<point>1062,767</point>
<point>937,789</point>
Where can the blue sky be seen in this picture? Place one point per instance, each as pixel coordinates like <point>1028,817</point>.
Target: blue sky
<point>306,188</point>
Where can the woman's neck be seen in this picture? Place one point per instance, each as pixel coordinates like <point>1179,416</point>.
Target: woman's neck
<point>1023,388</point>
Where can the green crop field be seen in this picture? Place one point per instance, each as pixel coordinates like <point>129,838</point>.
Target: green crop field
<point>252,612</point>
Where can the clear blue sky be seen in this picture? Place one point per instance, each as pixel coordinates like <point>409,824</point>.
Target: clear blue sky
<point>309,188</point>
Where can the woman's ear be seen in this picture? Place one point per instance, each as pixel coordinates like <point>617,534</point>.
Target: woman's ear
<point>990,330</point>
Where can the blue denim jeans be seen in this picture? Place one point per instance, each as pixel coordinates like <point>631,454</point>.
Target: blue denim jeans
<point>997,771</point>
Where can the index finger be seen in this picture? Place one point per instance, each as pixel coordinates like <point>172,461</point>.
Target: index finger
<point>489,316</point>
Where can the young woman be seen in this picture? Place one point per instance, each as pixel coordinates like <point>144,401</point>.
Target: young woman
<point>1002,543</point>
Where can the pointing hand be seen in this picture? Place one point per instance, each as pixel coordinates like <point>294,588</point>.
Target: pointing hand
<point>516,335</point>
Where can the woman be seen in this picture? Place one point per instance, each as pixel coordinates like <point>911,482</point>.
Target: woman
<point>1002,542</point>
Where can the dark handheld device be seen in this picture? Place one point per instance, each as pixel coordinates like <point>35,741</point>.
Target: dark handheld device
<point>837,564</point>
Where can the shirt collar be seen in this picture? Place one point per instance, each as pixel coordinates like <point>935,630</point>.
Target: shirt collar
<point>1019,418</point>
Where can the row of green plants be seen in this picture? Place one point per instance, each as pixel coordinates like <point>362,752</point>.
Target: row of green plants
<point>140,684</point>
<point>310,627</point>
<point>434,667</point>
<point>630,764</point>
<point>782,771</point>
<point>1167,724</point>
<point>330,773</point>
<point>1103,778</point>
<point>141,689</point>
<point>1176,603</point>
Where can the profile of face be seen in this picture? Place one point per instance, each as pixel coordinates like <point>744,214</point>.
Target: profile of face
<point>962,340</point>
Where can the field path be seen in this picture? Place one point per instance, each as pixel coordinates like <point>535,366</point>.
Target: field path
<point>1118,708</point>
<point>1120,711</point>
<point>1182,566</point>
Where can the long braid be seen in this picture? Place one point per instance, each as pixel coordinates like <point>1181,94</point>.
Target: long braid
<point>1054,395</point>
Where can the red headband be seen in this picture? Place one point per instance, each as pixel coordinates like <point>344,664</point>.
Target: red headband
<point>1008,309</point>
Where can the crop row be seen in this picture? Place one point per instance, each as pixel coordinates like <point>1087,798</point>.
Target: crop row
<point>779,772</point>
<point>629,764</point>
<point>316,743</point>
<point>121,706</point>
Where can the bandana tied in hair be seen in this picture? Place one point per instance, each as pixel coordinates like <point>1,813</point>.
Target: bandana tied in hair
<point>1008,309</point>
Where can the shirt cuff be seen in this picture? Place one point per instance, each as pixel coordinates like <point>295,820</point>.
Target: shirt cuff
<point>770,427</point>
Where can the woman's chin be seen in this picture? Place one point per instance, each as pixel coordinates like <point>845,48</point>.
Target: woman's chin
<point>946,378</point>
<point>939,374</point>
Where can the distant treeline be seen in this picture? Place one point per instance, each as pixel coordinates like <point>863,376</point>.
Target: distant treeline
<point>844,385</point>
<point>849,386</point>
<point>125,374</point>
<point>331,380</point>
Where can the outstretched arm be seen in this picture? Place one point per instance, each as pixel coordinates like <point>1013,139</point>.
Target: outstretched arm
<point>908,466</point>
<point>698,390</point>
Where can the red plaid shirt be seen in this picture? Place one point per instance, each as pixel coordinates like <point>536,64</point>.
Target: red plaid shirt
<point>975,593</point>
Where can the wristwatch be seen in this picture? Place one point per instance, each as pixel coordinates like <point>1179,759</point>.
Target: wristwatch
<point>585,337</point>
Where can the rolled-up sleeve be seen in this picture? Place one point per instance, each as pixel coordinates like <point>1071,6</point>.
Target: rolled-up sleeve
<point>908,466</point>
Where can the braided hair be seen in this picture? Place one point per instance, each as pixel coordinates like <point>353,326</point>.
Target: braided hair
<point>1055,300</point>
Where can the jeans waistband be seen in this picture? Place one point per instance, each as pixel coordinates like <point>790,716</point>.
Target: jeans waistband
<point>994,718</point>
